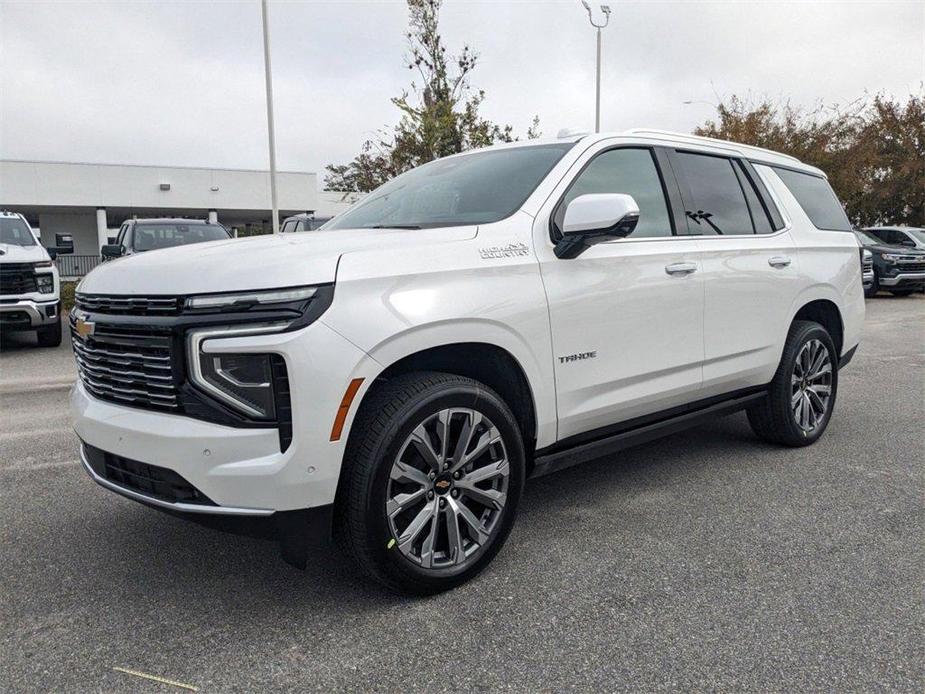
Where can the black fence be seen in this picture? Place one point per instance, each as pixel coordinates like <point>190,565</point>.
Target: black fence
<point>74,266</point>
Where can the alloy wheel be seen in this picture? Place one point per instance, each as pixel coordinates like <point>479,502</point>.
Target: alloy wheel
<point>811,385</point>
<point>448,488</point>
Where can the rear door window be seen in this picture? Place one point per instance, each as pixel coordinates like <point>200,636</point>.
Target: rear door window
<point>715,202</point>
<point>817,199</point>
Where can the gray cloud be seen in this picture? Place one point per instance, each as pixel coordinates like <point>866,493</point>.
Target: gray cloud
<point>182,82</point>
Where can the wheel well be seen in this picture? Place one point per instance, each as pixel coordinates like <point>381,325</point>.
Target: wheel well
<point>828,316</point>
<point>489,364</point>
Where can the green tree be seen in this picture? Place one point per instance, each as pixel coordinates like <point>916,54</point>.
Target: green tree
<point>439,114</point>
<point>873,150</point>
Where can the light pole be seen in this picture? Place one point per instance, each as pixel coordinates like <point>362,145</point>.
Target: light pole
<point>597,101</point>
<point>268,80</point>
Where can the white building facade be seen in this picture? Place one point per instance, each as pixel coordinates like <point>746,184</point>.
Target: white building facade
<point>90,201</point>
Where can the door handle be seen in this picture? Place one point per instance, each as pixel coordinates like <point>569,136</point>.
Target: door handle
<point>681,268</point>
<point>779,261</point>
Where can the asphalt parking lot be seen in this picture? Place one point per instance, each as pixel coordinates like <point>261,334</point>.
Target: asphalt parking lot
<point>705,561</point>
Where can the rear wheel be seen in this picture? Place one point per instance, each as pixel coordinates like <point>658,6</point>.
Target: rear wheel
<point>433,475</point>
<point>802,394</point>
<point>50,335</point>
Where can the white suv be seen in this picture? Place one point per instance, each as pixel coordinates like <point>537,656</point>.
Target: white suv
<point>396,376</point>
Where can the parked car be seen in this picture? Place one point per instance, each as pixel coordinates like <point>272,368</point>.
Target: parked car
<point>898,269</point>
<point>29,284</point>
<point>910,237</point>
<point>141,235</point>
<point>482,319</point>
<point>302,222</point>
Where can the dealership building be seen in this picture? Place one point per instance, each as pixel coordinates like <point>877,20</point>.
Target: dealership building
<point>88,202</point>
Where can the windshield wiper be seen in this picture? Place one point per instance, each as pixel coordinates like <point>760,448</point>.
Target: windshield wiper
<point>392,226</point>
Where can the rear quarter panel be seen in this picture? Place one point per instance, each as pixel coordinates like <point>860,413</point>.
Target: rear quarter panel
<point>829,263</point>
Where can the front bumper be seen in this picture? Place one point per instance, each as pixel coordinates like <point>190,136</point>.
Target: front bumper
<point>905,280</point>
<point>28,314</point>
<point>242,469</point>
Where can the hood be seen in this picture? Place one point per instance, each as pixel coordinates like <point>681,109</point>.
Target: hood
<point>898,250</point>
<point>13,253</point>
<point>257,262</point>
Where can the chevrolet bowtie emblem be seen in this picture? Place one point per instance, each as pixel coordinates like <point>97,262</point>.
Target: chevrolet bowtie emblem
<point>84,328</point>
<point>442,484</point>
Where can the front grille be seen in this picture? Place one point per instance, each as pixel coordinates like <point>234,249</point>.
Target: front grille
<point>911,267</point>
<point>17,278</point>
<point>127,365</point>
<point>129,305</point>
<point>150,480</point>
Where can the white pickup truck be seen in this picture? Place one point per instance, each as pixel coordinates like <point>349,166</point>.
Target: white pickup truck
<point>29,284</point>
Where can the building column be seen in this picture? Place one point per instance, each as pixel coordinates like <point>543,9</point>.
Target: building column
<point>213,216</point>
<point>102,228</point>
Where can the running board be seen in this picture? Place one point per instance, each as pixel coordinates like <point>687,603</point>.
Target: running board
<point>545,464</point>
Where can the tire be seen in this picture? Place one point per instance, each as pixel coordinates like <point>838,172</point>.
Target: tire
<point>872,290</point>
<point>50,335</point>
<point>380,455</point>
<point>782,417</point>
<point>901,292</point>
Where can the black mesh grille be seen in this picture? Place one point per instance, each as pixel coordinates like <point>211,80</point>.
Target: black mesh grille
<point>150,480</point>
<point>17,278</point>
<point>129,305</point>
<point>911,267</point>
<point>127,365</point>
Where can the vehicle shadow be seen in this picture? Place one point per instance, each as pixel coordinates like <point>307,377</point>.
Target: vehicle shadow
<point>178,562</point>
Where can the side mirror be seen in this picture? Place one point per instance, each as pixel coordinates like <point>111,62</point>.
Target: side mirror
<point>52,253</point>
<point>592,218</point>
<point>112,250</point>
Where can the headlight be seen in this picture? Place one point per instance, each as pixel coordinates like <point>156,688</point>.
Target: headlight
<point>45,282</point>
<point>44,263</point>
<point>246,299</point>
<point>242,380</point>
<point>890,257</point>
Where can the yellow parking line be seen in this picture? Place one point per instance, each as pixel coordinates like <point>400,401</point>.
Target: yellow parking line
<point>155,678</point>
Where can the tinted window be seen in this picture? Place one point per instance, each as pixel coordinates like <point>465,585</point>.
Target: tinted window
<point>630,171</point>
<point>717,204</point>
<point>149,237</point>
<point>867,238</point>
<point>14,232</point>
<point>817,199</point>
<point>476,188</point>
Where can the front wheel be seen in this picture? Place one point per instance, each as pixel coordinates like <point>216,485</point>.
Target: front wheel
<point>50,335</point>
<point>800,399</point>
<point>432,478</point>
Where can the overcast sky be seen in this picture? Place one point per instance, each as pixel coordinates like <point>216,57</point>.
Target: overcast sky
<point>181,83</point>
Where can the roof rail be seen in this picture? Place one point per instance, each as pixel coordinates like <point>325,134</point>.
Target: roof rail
<point>707,140</point>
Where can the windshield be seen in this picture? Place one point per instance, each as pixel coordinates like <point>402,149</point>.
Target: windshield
<point>149,237</point>
<point>867,239</point>
<point>476,188</point>
<point>15,232</point>
<point>919,234</point>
